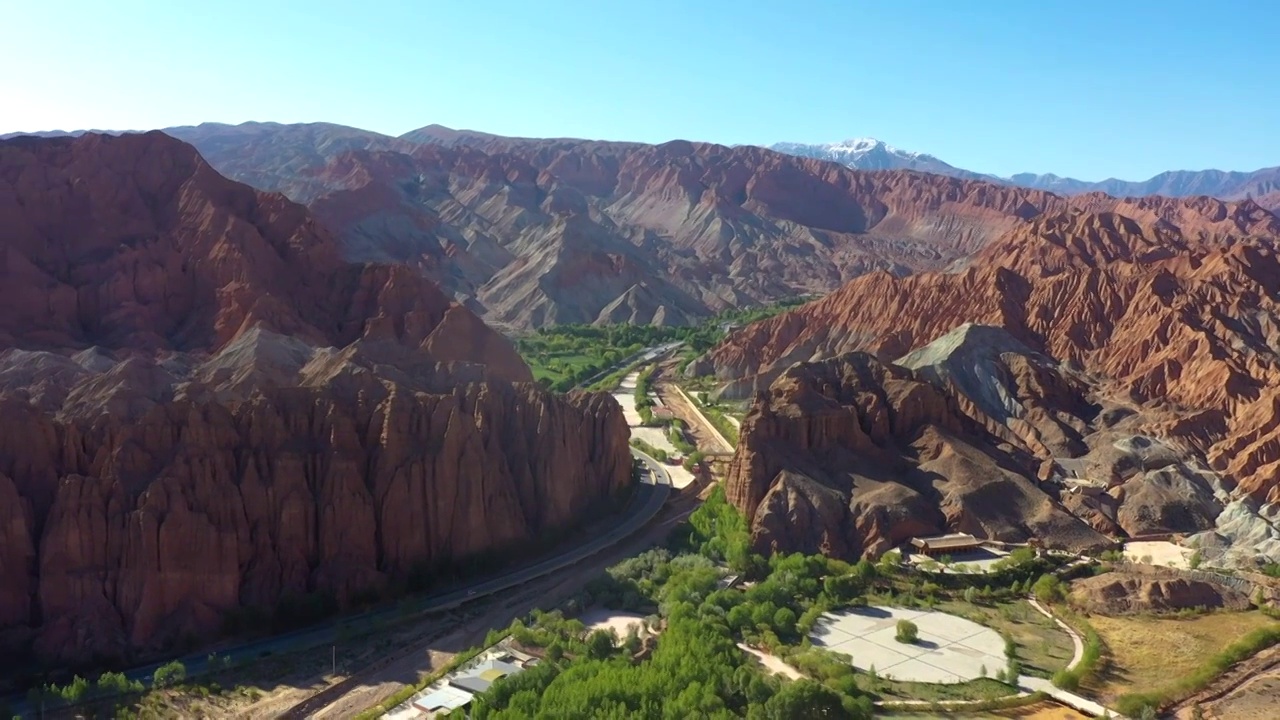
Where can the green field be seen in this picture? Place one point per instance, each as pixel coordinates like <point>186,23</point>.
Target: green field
<point>565,356</point>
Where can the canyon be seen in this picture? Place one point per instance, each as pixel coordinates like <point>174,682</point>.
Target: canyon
<point>208,412</point>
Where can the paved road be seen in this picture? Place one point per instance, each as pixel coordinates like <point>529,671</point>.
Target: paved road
<point>648,354</point>
<point>650,496</point>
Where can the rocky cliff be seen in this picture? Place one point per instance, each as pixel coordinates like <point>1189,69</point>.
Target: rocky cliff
<point>206,410</point>
<point>852,456</point>
<point>1167,307</point>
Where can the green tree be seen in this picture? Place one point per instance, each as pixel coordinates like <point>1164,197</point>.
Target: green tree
<point>1048,588</point>
<point>804,699</point>
<point>169,674</point>
<point>599,644</point>
<point>844,588</point>
<point>907,632</point>
<point>784,621</point>
<point>739,617</point>
<point>555,651</point>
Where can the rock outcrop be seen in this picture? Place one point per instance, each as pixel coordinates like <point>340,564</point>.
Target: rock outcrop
<point>1176,321</point>
<point>853,456</point>
<point>204,410</point>
<point>1154,590</point>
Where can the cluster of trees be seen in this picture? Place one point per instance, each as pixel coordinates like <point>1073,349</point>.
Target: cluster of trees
<point>644,403</point>
<point>696,670</point>
<point>656,453</point>
<point>565,356</point>
<point>169,675</point>
<point>675,433</point>
<point>113,689</point>
<point>721,422</point>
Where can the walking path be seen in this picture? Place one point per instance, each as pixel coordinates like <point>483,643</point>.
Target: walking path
<point>775,664</point>
<point>1078,642</point>
<point>1078,702</point>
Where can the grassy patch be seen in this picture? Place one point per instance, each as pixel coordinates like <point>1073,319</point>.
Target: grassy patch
<point>1258,639</point>
<point>1043,647</point>
<point>1147,652</point>
<point>1029,708</point>
<point>1087,668</point>
<point>564,356</point>
<point>981,689</point>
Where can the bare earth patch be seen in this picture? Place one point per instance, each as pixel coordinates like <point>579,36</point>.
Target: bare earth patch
<point>1162,553</point>
<point>616,620</point>
<point>773,664</point>
<point>1038,711</point>
<point>1258,699</point>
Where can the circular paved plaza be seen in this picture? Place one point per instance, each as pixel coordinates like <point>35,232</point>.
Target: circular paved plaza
<point>950,649</point>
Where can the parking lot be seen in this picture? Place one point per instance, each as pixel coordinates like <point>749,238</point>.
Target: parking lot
<point>950,649</point>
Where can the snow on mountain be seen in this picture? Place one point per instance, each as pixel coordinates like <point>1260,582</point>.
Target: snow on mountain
<point>873,154</point>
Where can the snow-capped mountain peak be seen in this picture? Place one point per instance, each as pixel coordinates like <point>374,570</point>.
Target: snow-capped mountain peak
<point>866,145</point>
<point>871,154</point>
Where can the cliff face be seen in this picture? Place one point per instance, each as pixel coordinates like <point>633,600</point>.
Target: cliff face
<point>1167,307</point>
<point>851,455</point>
<point>204,409</point>
<point>126,536</point>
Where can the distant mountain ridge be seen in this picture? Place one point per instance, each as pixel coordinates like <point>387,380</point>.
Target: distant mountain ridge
<point>870,154</point>
<point>1263,185</point>
<point>532,232</point>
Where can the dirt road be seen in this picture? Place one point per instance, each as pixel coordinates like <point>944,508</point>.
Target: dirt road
<point>706,437</point>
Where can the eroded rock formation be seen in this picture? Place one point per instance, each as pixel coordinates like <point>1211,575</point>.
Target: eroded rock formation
<point>1165,310</point>
<point>853,456</point>
<point>203,408</point>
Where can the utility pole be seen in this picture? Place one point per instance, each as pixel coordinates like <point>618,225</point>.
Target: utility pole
<point>335,661</point>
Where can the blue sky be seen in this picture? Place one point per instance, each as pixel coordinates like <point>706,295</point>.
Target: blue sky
<point>1089,89</point>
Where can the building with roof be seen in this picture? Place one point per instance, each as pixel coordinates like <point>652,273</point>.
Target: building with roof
<point>457,689</point>
<point>442,700</point>
<point>480,677</point>
<point>945,544</point>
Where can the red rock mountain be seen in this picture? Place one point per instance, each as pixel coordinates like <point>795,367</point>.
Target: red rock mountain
<point>534,232</point>
<point>1167,307</point>
<point>204,409</point>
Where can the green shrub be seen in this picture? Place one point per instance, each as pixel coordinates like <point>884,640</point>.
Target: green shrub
<point>1088,665</point>
<point>1048,589</point>
<point>907,632</point>
<point>169,674</point>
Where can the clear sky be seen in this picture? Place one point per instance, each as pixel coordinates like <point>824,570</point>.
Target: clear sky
<point>1084,88</point>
